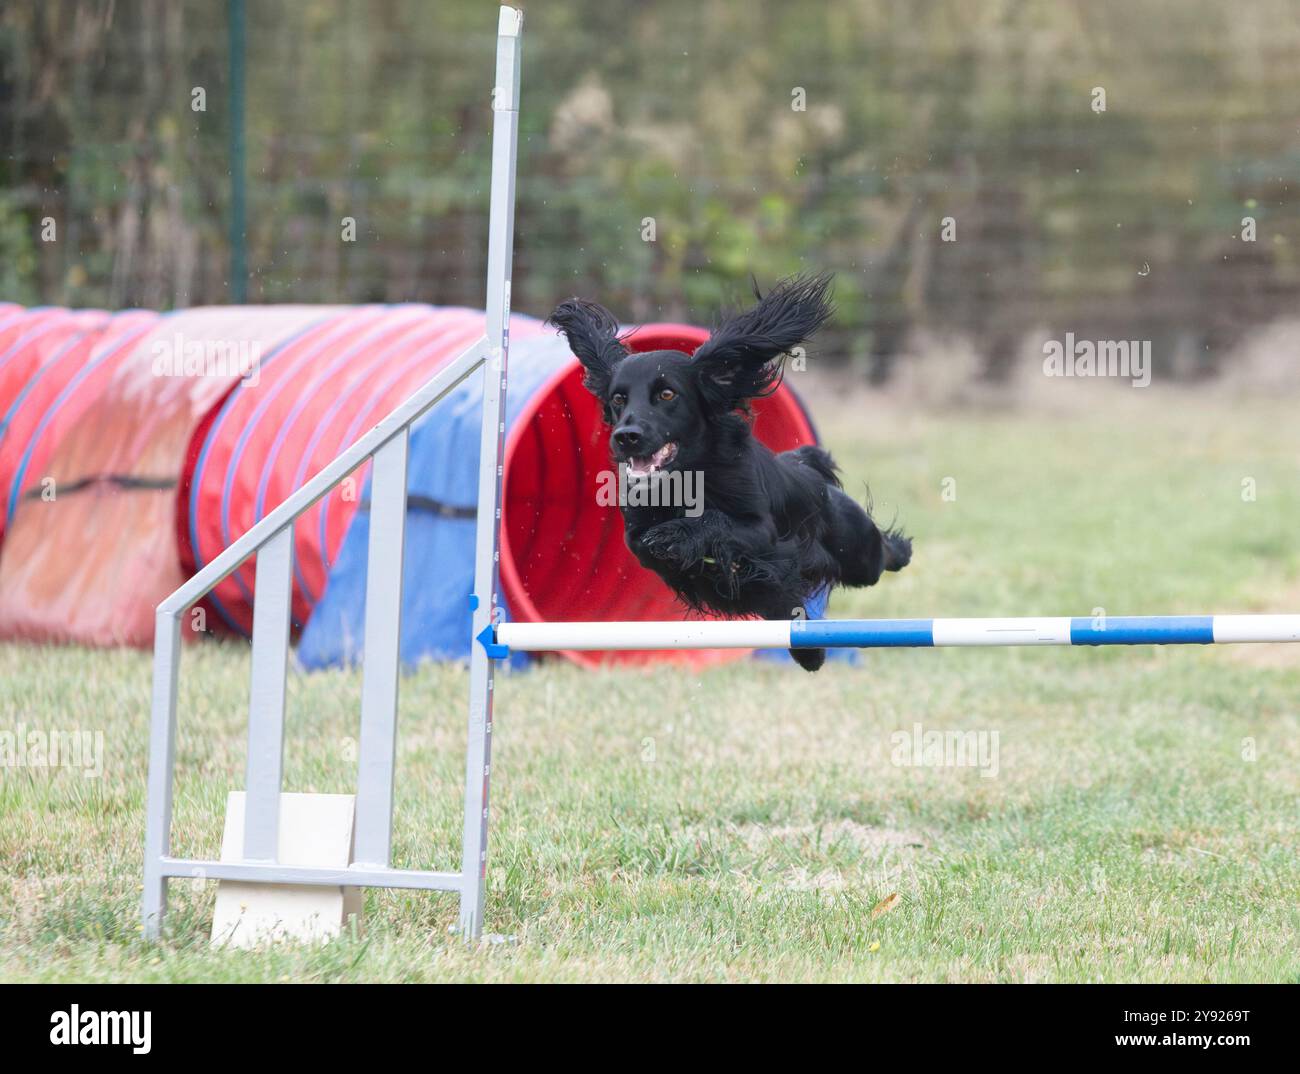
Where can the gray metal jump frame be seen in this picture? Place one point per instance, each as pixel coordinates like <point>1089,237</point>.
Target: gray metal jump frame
<point>272,541</point>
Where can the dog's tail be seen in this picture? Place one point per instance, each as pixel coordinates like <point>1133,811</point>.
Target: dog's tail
<point>895,545</point>
<point>897,548</point>
<point>819,461</point>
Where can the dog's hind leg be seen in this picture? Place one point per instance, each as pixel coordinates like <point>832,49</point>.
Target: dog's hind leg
<point>787,607</point>
<point>862,550</point>
<point>808,659</point>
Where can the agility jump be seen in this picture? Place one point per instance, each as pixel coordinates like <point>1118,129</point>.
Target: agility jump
<point>260,858</point>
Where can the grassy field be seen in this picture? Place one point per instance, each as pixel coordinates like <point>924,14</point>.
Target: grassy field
<point>744,823</point>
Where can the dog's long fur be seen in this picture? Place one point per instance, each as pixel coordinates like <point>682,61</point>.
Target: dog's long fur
<point>775,529</point>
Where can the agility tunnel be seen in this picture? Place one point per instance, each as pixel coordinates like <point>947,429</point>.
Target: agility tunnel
<point>99,409</point>
<point>63,575</point>
<point>136,446</point>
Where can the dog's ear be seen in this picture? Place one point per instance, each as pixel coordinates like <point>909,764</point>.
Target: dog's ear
<point>744,357</point>
<point>592,332</point>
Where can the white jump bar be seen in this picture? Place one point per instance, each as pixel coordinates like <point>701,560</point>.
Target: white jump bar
<point>695,634</point>
<point>900,633</point>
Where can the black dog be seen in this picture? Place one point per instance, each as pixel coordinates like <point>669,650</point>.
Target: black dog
<point>775,529</point>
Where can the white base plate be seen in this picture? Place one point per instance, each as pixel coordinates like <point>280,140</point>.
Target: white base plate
<point>315,830</point>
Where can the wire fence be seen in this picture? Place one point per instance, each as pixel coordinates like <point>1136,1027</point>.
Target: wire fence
<point>978,170</point>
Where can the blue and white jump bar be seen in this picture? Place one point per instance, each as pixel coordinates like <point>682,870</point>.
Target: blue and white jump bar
<point>900,633</point>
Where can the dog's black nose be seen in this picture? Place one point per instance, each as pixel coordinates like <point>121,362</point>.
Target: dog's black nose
<point>627,439</point>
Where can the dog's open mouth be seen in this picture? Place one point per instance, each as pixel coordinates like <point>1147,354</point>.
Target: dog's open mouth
<point>644,465</point>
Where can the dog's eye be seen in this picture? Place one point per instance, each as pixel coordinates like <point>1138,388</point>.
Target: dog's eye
<point>617,399</point>
<point>667,395</point>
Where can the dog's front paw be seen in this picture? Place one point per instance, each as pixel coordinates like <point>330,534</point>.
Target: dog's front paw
<point>674,541</point>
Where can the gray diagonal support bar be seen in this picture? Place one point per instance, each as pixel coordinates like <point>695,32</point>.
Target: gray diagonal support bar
<point>162,752</point>
<point>406,412</point>
<point>272,603</point>
<point>478,754</point>
<point>383,632</point>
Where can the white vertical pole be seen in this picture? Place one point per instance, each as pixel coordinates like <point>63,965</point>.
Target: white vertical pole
<point>381,672</point>
<point>272,607</point>
<point>162,752</point>
<point>478,756</point>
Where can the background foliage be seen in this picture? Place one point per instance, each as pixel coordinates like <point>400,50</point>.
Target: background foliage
<point>1122,224</point>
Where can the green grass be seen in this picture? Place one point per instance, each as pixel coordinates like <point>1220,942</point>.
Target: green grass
<point>741,824</point>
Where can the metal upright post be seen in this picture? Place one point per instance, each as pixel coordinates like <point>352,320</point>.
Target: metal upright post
<point>383,642</point>
<point>162,752</point>
<point>478,755</point>
<point>267,689</point>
